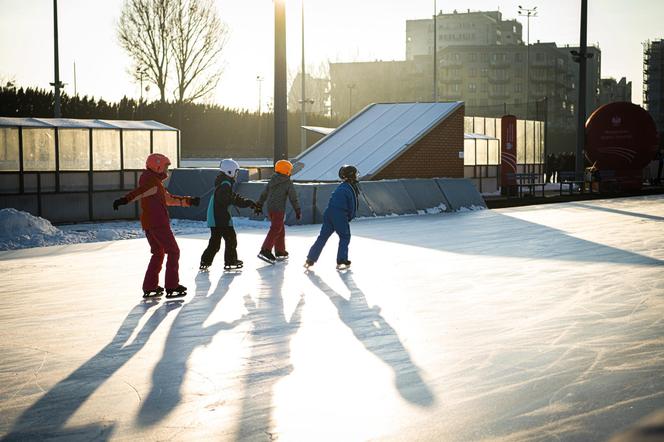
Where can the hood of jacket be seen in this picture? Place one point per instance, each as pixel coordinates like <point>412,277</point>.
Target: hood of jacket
<point>279,178</point>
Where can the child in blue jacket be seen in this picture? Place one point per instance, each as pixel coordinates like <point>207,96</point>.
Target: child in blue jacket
<point>341,209</point>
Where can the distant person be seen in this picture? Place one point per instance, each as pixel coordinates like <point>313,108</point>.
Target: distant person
<point>219,218</point>
<point>278,189</point>
<point>156,224</point>
<point>341,209</point>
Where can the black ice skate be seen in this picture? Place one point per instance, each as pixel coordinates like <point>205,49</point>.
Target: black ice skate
<point>267,256</point>
<point>176,292</point>
<point>153,293</point>
<point>233,265</point>
<point>343,265</point>
<point>308,263</point>
<point>281,256</point>
<point>204,267</point>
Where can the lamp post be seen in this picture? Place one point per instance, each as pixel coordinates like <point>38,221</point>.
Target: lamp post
<point>56,83</point>
<point>581,57</point>
<point>141,72</point>
<point>259,80</point>
<point>303,111</point>
<point>350,98</point>
<point>435,49</point>
<point>280,83</point>
<point>528,12</point>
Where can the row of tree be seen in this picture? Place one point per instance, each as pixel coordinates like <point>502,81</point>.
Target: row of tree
<point>206,130</point>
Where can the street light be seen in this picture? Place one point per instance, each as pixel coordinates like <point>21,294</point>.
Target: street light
<point>56,62</point>
<point>259,80</point>
<point>141,72</point>
<point>303,101</point>
<point>435,49</point>
<point>350,98</point>
<point>528,12</point>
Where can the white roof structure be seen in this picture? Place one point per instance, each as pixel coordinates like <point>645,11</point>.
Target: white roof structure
<point>371,139</point>
<point>73,123</point>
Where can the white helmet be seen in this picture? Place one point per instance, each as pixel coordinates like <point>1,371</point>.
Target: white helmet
<point>229,167</point>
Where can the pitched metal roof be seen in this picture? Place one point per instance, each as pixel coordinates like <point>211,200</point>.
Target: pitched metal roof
<point>73,123</point>
<point>371,139</point>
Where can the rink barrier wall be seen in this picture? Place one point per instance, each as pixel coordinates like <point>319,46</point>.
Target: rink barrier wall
<point>460,193</point>
<point>377,198</point>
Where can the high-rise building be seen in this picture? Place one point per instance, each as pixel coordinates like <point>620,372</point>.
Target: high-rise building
<point>611,90</point>
<point>472,28</point>
<point>653,82</point>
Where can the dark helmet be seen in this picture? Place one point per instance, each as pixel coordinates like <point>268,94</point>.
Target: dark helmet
<point>348,172</point>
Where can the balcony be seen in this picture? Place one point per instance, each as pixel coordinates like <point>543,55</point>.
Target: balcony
<point>499,80</point>
<point>499,63</point>
<point>449,80</point>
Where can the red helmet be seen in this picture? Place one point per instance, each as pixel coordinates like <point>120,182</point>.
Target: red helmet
<point>157,162</point>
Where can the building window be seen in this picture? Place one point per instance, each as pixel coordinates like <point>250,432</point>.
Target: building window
<point>472,87</point>
<point>518,57</point>
<point>472,72</point>
<point>484,72</point>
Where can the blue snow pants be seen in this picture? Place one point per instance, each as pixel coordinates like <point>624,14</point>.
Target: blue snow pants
<point>334,220</point>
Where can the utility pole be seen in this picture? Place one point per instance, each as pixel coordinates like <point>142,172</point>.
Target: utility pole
<point>350,98</point>
<point>259,80</point>
<point>435,55</point>
<point>303,116</point>
<point>528,12</point>
<point>56,84</point>
<point>75,90</point>
<point>581,57</point>
<point>280,83</point>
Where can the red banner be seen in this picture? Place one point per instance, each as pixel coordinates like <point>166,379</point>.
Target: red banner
<point>507,152</point>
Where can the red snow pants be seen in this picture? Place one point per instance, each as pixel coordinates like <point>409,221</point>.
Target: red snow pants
<point>162,242</point>
<point>276,236</point>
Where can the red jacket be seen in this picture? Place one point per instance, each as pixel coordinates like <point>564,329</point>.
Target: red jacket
<point>154,199</point>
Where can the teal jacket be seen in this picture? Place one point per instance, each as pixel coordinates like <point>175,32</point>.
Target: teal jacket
<point>219,207</point>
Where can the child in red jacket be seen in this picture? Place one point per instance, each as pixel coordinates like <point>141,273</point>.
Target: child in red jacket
<point>156,224</point>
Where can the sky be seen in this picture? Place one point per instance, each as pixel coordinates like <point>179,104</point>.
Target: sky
<point>339,31</point>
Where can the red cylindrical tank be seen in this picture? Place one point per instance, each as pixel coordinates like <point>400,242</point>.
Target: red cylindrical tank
<point>621,137</point>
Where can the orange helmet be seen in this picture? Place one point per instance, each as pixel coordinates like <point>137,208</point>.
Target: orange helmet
<point>284,167</point>
<point>157,162</point>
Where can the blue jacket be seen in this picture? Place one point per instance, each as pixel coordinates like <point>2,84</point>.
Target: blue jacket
<point>344,198</point>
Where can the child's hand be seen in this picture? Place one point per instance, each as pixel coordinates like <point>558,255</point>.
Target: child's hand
<point>119,202</point>
<point>298,214</point>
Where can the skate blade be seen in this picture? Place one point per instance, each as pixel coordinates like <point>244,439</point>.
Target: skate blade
<point>153,295</point>
<point>176,295</point>
<point>343,267</point>
<point>269,261</point>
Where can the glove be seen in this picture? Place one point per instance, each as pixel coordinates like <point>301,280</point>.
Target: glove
<point>119,202</point>
<point>258,208</point>
<point>195,201</point>
<point>298,214</point>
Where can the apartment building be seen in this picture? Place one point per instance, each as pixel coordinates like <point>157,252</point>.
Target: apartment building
<point>653,82</point>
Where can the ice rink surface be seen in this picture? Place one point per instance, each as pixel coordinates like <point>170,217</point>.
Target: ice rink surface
<point>532,323</point>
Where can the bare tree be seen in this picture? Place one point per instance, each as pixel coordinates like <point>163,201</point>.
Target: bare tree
<point>144,32</point>
<point>198,38</point>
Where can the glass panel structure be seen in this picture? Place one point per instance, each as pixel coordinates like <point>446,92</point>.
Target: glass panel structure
<point>74,149</point>
<point>136,148</point>
<point>520,141</point>
<point>468,152</point>
<point>166,142</point>
<point>468,125</point>
<point>38,149</point>
<point>9,158</point>
<point>530,142</point>
<point>481,148</point>
<point>105,149</point>
<point>494,152</point>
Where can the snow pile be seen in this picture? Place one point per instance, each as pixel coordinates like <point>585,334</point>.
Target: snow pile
<point>21,229</point>
<point>438,209</point>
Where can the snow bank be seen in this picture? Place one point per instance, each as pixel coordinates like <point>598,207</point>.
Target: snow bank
<point>20,230</point>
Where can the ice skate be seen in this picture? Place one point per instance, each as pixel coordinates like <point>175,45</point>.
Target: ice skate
<point>343,265</point>
<point>204,267</point>
<point>281,256</point>
<point>267,256</point>
<point>153,293</point>
<point>176,292</point>
<point>308,263</point>
<point>233,265</point>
